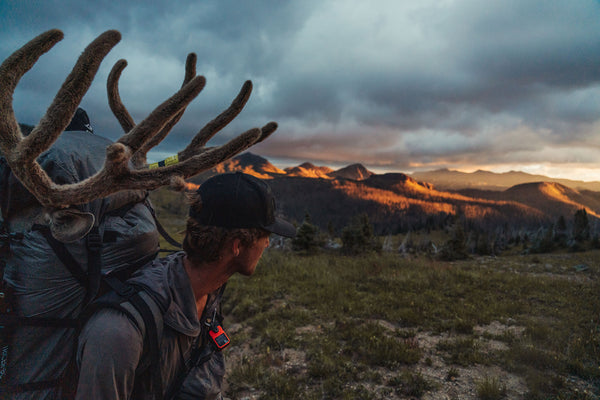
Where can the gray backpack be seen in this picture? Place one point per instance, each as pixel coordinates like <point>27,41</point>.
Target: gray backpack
<point>47,284</point>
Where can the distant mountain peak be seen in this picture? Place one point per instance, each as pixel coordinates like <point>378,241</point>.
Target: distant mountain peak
<point>399,181</point>
<point>356,172</point>
<point>251,159</point>
<point>250,164</point>
<point>309,170</point>
<point>552,189</point>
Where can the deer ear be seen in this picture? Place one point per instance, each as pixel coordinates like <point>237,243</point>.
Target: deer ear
<point>69,225</point>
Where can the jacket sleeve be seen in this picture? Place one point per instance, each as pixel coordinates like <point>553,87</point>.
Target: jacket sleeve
<point>109,350</point>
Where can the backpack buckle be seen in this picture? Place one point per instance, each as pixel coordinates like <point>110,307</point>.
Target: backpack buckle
<point>127,291</point>
<point>94,241</point>
<point>6,237</point>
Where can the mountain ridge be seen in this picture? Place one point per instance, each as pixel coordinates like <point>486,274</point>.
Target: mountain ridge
<point>448,179</point>
<point>262,168</point>
<point>440,179</point>
<point>399,202</point>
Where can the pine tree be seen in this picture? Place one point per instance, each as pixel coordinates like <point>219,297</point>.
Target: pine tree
<point>544,242</point>
<point>307,236</point>
<point>456,247</point>
<point>581,226</point>
<point>581,231</point>
<point>560,231</point>
<point>358,237</point>
<point>484,246</point>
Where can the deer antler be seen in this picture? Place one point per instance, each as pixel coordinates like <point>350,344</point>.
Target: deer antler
<point>116,175</point>
<point>125,119</point>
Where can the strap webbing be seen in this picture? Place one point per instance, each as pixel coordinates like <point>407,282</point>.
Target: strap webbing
<point>153,343</point>
<point>63,255</point>
<point>131,294</point>
<point>30,387</point>
<point>196,358</point>
<point>13,320</point>
<point>94,246</point>
<point>90,280</point>
<point>163,232</point>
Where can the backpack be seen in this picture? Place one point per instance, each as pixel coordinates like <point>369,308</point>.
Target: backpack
<point>47,284</point>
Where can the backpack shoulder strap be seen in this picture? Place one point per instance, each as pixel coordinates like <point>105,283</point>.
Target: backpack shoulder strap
<point>146,312</point>
<point>4,174</point>
<point>90,280</point>
<point>63,255</point>
<point>163,232</point>
<point>204,348</point>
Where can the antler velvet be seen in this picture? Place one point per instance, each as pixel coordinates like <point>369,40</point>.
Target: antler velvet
<point>116,175</point>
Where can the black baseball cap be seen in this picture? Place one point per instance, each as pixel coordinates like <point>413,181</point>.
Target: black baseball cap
<point>238,200</point>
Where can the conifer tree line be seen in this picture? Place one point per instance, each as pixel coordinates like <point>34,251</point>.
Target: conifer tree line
<point>464,237</point>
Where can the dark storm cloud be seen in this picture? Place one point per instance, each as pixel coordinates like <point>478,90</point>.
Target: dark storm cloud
<point>397,84</point>
<point>234,42</point>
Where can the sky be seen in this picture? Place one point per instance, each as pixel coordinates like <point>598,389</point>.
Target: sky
<point>397,85</point>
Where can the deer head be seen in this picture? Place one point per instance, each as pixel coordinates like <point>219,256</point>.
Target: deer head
<point>125,165</point>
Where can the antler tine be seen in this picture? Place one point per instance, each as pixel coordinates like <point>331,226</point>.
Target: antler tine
<point>139,158</point>
<point>208,158</point>
<point>114,98</point>
<point>116,104</point>
<point>218,123</point>
<point>190,67</point>
<point>116,175</point>
<point>161,115</point>
<point>11,71</point>
<point>267,130</point>
<point>69,96</point>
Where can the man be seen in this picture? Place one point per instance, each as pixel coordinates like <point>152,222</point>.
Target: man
<point>228,228</point>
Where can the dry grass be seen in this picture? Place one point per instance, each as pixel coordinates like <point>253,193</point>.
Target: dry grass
<point>384,327</point>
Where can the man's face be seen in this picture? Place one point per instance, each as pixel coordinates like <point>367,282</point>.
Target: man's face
<point>250,255</point>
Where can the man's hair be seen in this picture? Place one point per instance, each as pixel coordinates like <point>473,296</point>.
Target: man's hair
<point>204,243</point>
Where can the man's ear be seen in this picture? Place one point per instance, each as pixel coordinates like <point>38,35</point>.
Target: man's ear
<point>236,247</point>
<point>69,225</point>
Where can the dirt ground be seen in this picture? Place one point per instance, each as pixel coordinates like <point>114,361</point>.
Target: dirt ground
<point>460,386</point>
<point>432,367</point>
<point>451,382</point>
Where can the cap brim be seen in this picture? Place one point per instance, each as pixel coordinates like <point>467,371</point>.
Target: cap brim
<point>282,228</point>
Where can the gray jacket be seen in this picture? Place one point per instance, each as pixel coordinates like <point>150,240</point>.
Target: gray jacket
<point>111,345</point>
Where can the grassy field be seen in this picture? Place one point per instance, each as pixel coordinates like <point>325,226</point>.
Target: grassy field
<point>381,326</point>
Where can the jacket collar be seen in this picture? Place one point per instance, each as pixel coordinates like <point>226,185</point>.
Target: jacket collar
<point>167,279</point>
<point>181,314</point>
